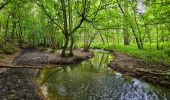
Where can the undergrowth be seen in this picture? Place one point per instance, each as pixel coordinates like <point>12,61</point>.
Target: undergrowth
<point>147,54</point>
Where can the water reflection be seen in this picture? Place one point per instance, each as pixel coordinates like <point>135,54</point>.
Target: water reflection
<point>93,80</point>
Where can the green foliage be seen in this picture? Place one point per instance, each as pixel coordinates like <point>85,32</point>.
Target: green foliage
<point>106,24</point>
<point>167,51</point>
<point>145,54</point>
<point>8,48</point>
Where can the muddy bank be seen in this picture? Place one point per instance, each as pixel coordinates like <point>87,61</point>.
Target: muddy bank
<point>19,83</point>
<point>35,57</point>
<point>148,71</point>
<point>6,59</point>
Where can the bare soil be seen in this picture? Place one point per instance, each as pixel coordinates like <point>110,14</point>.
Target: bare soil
<point>35,57</point>
<point>19,83</point>
<point>6,59</point>
<point>148,71</point>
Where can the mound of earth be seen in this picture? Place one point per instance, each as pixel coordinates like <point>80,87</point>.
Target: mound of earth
<point>35,57</point>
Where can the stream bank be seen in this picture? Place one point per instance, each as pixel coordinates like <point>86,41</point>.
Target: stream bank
<point>148,71</point>
<point>94,80</point>
<point>19,83</point>
<point>36,57</point>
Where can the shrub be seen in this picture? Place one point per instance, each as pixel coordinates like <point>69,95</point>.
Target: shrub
<point>8,49</point>
<point>167,51</point>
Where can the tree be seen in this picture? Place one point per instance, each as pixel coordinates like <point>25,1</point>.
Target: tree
<point>66,23</point>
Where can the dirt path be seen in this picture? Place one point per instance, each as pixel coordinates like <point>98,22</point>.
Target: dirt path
<point>148,71</point>
<point>19,83</point>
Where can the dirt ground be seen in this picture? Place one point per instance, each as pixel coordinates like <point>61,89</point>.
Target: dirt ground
<point>7,59</point>
<point>36,58</point>
<point>148,71</point>
<point>19,83</point>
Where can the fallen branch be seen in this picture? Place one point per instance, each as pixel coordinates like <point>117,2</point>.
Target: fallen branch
<point>26,66</point>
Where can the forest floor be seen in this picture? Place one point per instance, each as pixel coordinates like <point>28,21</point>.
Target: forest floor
<point>6,59</point>
<point>150,71</point>
<point>19,82</point>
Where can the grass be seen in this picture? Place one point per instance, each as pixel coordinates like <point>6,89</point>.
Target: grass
<point>162,56</point>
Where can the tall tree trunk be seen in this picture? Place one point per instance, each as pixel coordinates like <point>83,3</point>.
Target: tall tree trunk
<point>66,34</point>
<point>13,30</point>
<point>139,41</point>
<point>102,39</point>
<point>43,25</point>
<point>91,40</point>
<point>139,36</point>
<point>71,45</point>
<point>52,36</point>
<point>126,37</point>
<point>157,38</point>
<point>20,35</point>
<point>125,28</point>
<point>0,27</point>
<point>65,46</point>
<point>6,29</point>
<point>13,25</point>
<point>70,27</point>
<point>85,42</point>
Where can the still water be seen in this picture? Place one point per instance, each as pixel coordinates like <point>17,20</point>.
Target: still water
<point>93,80</point>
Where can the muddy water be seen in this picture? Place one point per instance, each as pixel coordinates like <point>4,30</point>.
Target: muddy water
<point>93,80</point>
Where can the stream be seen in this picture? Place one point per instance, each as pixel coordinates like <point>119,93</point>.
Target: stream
<point>93,80</point>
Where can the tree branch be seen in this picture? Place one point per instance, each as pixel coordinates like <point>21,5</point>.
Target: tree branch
<point>48,15</point>
<point>4,4</point>
<point>26,66</point>
<point>78,26</point>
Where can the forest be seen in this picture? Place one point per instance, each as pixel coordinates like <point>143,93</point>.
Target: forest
<point>42,34</point>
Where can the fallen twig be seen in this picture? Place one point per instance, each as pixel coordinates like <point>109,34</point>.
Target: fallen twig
<point>26,66</point>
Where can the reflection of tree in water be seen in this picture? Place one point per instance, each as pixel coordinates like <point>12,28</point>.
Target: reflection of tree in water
<point>103,86</point>
<point>92,79</point>
<point>99,63</point>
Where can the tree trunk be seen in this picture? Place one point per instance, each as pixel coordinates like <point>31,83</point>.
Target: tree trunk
<point>125,28</point>
<point>70,28</point>
<point>13,26</point>
<point>13,30</point>
<point>20,35</point>
<point>126,37</point>
<point>71,46</point>
<point>65,28</point>
<point>102,39</point>
<point>65,46</point>
<point>157,39</point>
<point>6,30</point>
